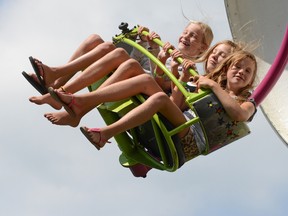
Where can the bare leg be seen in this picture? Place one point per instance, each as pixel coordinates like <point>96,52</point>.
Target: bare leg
<point>126,70</point>
<point>93,73</point>
<point>82,62</point>
<point>86,46</point>
<point>117,91</point>
<point>108,63</point>
<point>92,49</point>
<point>130,68</point>
<point>159,102</point>
<point>53,74</point>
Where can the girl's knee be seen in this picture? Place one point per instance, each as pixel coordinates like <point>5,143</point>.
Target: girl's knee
<point>147,78</point>
<point>107,46</point>
<point>91,42</point>
<point>121,53</point>
<point>160,99</point>
<point>131,68</point>
<point>132,63</point>
<point>94,39</point>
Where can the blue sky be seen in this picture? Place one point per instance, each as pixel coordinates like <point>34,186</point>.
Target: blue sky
<point>51,170</point>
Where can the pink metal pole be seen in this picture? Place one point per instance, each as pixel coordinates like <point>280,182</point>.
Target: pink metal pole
<point>274,72</point>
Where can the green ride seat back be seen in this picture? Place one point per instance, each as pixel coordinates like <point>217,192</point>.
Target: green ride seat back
<point>219,128</point>
<point>147,138</point>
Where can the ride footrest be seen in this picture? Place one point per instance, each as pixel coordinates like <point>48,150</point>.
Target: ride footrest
<point>137,169</point>
<point>120,107</point>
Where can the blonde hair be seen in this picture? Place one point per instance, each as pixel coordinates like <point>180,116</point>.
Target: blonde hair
<point>219,74</point>
<point>207,33</point>
<point>234,47</point>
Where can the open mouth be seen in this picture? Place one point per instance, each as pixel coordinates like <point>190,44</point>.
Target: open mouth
<point>240,77</point>
<point>185,43</point>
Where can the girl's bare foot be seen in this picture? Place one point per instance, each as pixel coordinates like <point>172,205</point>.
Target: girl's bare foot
<point>48,74</point>
<point>62,118</point>
<point>95,136</point>
<point>45,99</point>
<point>68,101</point>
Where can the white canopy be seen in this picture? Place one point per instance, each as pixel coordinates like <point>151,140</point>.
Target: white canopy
<point>263,23</point>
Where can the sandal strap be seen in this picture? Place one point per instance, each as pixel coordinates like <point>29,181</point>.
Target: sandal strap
<point>72,102</point>
<point>98,130</point>
<point>63,89</point>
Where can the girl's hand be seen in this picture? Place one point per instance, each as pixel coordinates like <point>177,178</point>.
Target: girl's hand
<point>163,54</point>
<point>150,39</point>
<point>140,30</point>
<point>204,82</point>
<point>187,64</point>
<point>175,54</point>
<point>167,46</point>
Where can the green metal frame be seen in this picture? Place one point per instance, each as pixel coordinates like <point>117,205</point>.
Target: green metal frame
<point>132,152</point>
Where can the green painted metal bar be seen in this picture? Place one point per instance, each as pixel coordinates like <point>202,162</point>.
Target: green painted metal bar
<point>140,155</point>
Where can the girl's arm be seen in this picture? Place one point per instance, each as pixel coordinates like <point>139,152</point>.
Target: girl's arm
<point>159,75</point>
<point>238,112</point>
<point>147,42</point>
<point>177,97</point>
<point>153,48</point>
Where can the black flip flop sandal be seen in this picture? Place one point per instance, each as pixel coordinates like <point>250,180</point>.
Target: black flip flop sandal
<point>35,84</point>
